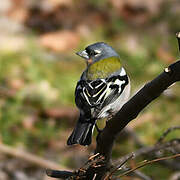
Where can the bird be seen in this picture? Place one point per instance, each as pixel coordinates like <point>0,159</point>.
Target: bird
<point>100,93</point>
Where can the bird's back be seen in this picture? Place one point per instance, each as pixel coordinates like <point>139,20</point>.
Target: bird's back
<point>103,68</point>
<point>102,89</point>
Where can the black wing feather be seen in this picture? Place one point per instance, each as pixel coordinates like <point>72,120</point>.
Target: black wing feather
<point>91,94</point>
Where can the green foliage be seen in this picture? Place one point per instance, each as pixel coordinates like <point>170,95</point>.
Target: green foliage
<point>33,80</point>
<point>43,84</point>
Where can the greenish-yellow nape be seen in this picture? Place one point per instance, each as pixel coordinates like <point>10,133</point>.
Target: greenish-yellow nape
<point>103,68</point>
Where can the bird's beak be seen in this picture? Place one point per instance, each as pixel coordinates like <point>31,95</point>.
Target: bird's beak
<point>83,54</point>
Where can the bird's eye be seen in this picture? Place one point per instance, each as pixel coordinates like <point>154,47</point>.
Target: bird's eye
<point>92,53</point>
<point>96,52</point>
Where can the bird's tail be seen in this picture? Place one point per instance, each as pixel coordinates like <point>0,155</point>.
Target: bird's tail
<point>82,133</point>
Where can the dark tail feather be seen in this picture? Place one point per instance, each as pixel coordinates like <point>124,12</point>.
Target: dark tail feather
<point>82,134</point>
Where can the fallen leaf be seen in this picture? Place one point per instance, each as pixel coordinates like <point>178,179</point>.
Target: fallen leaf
<point>165,56</point>
<point>62,112</point>
<point>60,41</point>
<point>16,83</point>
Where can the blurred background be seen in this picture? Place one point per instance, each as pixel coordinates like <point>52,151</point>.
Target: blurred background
<point>39,71</point>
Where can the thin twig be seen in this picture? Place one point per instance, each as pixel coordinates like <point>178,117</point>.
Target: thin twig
<point>118,167</point>
<point>88,170</point>
<point>150,149</point>
<point>94,176</point>
<point>128,158</point>
<point>149,162</point>
<point>136,173</point>
<point>140,175</point>
<point>93,156</point>
<point>167,132</point>
<point>31,158</point>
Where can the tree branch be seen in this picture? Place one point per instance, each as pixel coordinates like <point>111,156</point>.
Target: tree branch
<point>59,174</point>
<point>167,132</point>
<point>26,156</point>
<point>128,112</point>
<point>149,150</point>
<point>150,162</point>
<point>134,106</point>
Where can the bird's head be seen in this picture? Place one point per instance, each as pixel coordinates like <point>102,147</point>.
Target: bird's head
<point>96,52</point>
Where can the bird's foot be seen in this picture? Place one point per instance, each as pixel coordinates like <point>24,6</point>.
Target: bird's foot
<point>98,130</point>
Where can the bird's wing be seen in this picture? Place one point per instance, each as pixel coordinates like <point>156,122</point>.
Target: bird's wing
<point>89,94</point>
<point>99,93</point>
<point>116,85</point>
